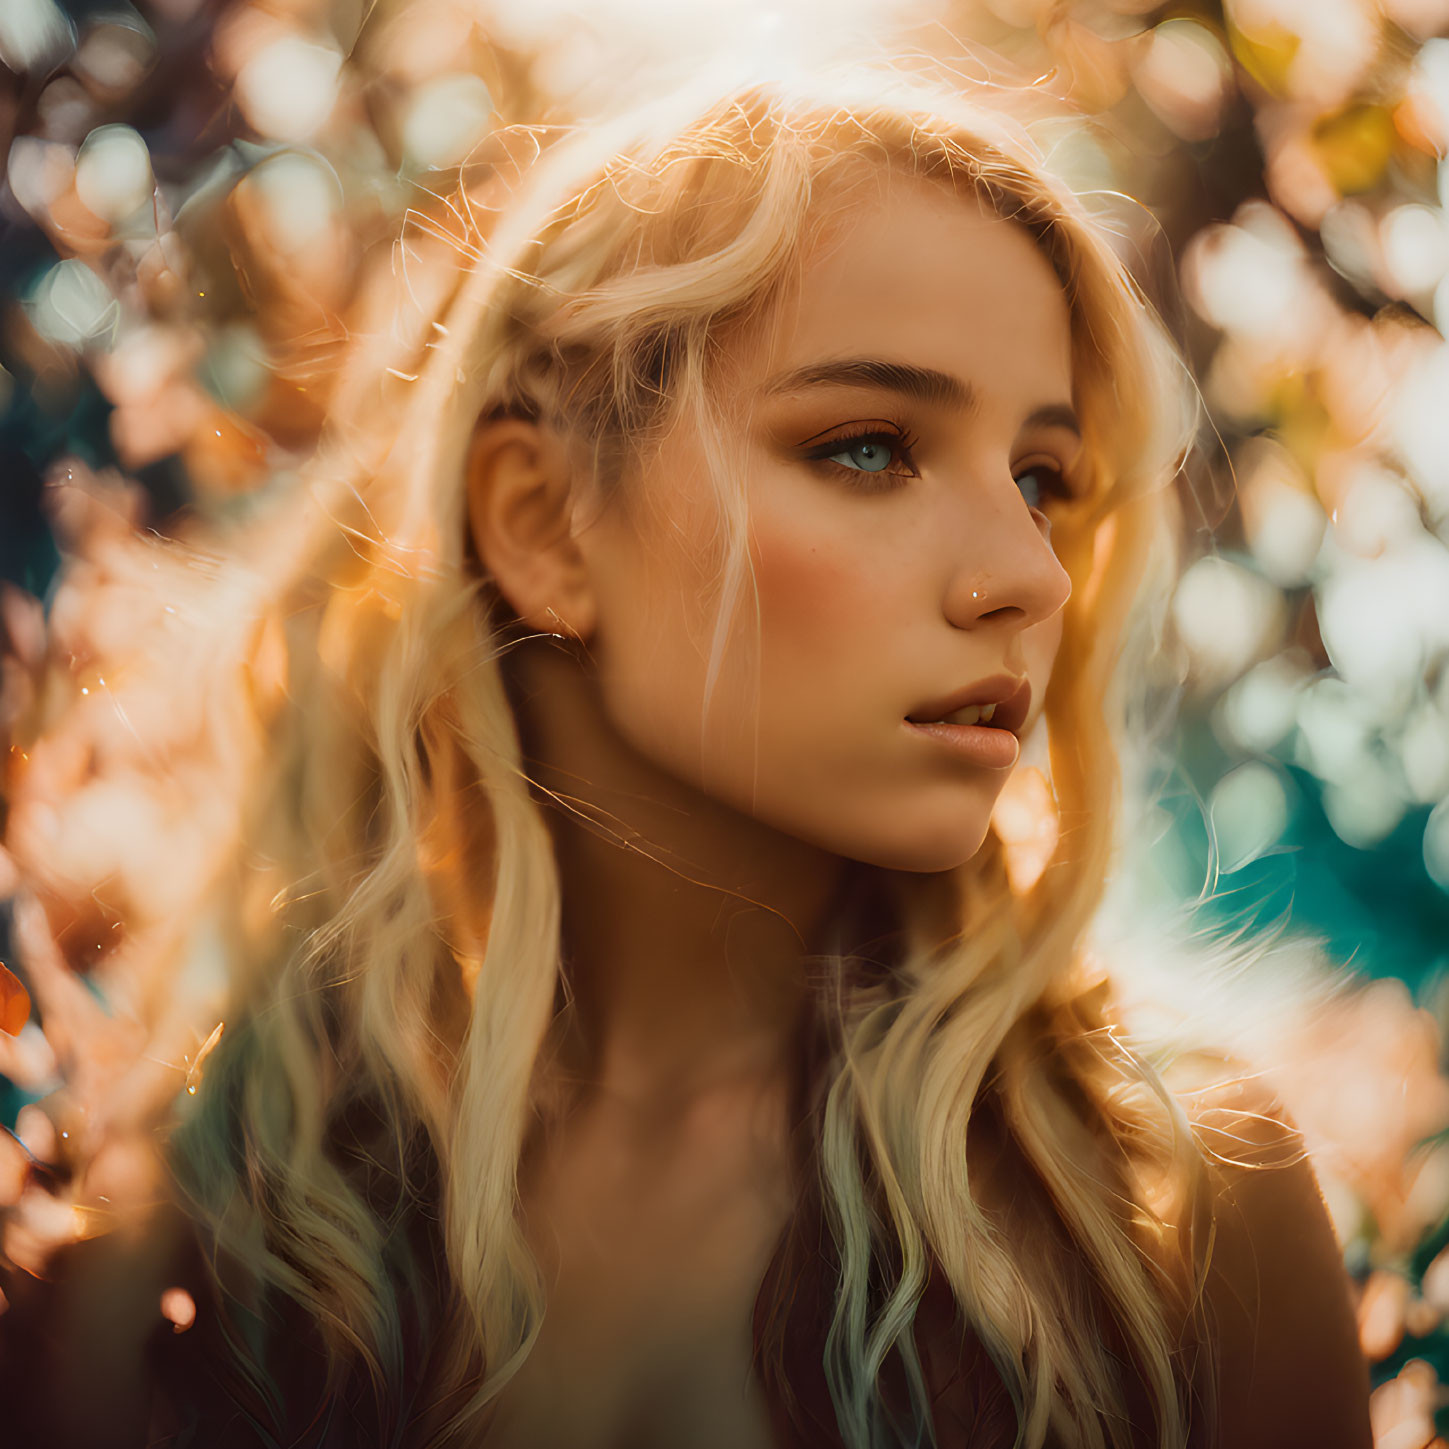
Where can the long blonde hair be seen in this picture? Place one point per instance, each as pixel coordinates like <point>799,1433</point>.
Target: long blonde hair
<point>385,890</point>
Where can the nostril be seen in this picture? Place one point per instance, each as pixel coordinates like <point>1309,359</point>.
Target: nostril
<point>1006,613</point>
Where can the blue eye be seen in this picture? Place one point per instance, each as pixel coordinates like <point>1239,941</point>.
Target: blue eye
<point>1041,483</point>
<point>869,455</point>
<point>873,461</point>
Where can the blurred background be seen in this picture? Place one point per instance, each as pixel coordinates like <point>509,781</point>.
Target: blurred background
<point>193,191</point>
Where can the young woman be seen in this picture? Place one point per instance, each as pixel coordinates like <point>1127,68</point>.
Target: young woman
<point>640,1034</point>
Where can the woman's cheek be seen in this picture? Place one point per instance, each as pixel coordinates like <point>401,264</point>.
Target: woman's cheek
<point>817,588</point>
<point>1040,647</point>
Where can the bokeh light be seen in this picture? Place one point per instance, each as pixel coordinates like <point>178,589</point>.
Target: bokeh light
<point>194,200</point>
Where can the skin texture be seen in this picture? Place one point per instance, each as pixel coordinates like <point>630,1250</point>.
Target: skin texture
<point>705,840</point>
<point>877,590</point>
<point>871,602</point>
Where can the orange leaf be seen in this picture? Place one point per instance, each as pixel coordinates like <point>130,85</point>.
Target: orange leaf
<point>14,1002</point>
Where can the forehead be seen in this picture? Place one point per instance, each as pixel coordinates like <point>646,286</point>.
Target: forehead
<point>913,272</point>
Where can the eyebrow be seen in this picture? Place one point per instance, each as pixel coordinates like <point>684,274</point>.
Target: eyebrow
<point>920,384</point>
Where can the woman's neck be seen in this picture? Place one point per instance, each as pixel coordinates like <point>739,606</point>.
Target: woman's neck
<point>688,926</point>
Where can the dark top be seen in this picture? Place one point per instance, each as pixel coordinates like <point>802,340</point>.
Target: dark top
<point>87,1362</point>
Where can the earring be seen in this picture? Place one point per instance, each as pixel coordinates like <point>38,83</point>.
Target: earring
<point>554,633</point>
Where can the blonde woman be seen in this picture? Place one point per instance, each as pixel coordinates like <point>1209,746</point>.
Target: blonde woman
<point>640,1034</point>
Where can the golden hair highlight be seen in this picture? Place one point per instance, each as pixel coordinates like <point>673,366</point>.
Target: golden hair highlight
<point>390,1013</point>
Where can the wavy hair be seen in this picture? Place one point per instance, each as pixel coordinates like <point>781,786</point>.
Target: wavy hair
<point>383,884</point>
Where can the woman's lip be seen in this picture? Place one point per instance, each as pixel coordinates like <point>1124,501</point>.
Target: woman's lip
<point>983,745</point>
<point>1011,696</point>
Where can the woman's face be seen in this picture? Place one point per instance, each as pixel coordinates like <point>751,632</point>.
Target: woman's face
<point>904,423</point>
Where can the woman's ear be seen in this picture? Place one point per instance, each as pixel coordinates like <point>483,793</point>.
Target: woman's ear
<point>520,514</point>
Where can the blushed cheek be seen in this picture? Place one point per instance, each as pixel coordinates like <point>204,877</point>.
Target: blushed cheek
<point>815,596</point>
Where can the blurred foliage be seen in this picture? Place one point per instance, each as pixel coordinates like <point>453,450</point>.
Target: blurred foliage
<point>194,189</point>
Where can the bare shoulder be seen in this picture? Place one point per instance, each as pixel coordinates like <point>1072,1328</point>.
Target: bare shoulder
<point>80,1347</point>
<point>1290,1370</point>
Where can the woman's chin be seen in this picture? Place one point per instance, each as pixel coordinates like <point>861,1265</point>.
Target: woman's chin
<point>927,853</point>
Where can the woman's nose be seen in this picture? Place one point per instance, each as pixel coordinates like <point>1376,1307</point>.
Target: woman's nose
<point>1007,572</point>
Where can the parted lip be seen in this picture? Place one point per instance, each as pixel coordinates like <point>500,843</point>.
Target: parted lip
<point>1010,693</point>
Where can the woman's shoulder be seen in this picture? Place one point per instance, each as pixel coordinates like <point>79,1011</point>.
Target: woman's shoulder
<point>76,1338</point>
<point>120,1345</point>
<point>1289,1369</point>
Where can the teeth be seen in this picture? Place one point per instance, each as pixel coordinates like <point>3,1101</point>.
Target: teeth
<point>971,714</point>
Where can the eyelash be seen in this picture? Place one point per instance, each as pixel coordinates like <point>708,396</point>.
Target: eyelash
<point>1057,488</point>
<point>901,445</point>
